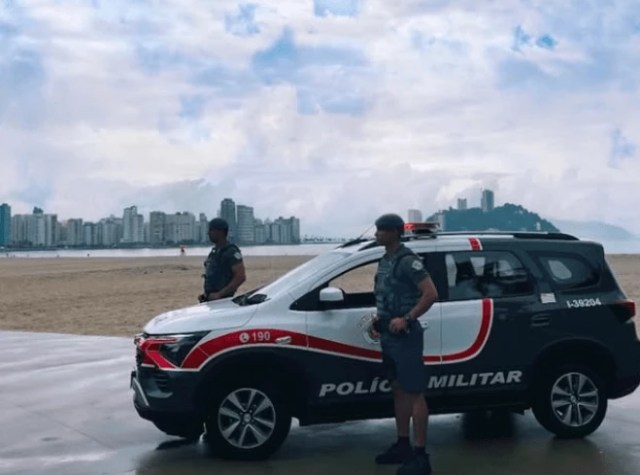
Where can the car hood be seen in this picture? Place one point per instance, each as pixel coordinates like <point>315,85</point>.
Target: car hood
<point>218,315</point>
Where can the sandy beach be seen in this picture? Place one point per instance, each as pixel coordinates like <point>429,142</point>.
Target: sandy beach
<point>105,296</point>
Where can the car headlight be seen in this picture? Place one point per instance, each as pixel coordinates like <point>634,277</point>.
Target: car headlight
<point>177,350</point>
<point>166,351</point>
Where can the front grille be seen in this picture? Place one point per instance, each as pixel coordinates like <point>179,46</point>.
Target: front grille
<point>162,380</point>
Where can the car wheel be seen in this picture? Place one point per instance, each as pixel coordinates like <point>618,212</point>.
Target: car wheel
<point>247,421</point>
<point>185,430</point>
<point>570,401</point>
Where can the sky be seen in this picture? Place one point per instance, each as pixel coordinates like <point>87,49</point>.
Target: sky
<point>335,111</point>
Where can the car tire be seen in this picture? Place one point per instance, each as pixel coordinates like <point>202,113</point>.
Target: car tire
<point>247,420</point>
<point>570,401</point>
<point>185,430</point>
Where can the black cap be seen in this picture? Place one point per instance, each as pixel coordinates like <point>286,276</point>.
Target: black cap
<point>390,221</point>
<point>218,223</point>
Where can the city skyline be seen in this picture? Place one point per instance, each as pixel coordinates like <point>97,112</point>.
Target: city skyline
<point>40,229</point>
<point>247,233</point>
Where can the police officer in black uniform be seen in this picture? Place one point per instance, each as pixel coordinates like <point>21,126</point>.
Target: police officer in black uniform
<point>224,268</point>
<point>404,292</point>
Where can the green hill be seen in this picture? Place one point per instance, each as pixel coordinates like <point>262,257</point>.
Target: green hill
<point>509,217</point>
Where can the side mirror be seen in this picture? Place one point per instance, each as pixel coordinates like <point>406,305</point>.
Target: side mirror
<point>331,294</point>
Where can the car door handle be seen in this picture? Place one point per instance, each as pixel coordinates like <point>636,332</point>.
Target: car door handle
<point>541,320</point>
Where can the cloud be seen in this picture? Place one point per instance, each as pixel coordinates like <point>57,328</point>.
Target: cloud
<point>243,22</point>
<point>326,77</point>
<point>621,148</point>
<point>334,112</point>
<point>324,8</point>
<point>546,42</point>
<point>22,74</point>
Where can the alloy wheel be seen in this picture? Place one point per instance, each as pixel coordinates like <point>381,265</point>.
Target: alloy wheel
<point>246,418</point>
<point>574,399</point>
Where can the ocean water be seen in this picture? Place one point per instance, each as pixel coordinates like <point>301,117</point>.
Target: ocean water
<point>285,250</point>
<point>621,246</point>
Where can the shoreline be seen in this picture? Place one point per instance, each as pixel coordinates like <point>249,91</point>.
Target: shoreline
<point>4,250</point>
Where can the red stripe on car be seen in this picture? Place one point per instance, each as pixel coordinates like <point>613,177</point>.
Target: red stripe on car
<point>475,244</point>
<point>481,339</point>
<point>269,336</point>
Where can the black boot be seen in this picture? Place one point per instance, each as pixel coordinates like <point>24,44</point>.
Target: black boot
<point>419,464</point>
<point>396,454</point>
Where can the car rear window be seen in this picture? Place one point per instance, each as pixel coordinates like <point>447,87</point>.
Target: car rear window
<point>570,272</point>
<point>475,275</point>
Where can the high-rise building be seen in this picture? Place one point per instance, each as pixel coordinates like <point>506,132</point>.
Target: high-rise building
<point>414,216</point>
<point>246,225</point>
<point>5,224</point>
<point>89,234</point>
<point>180,228</point>
<point>37,229</point>
<point>50,230</point>
<point>487,200</point>
<point>295,230</point>
<point>282,231</point>
<point>19,230</point>
<point>228,213</point>
<point>156,227</point>
<point>75,234</point>
<point>133,226</point>
<point>260,231</point>
<point>61,231</point>
<point>203,230</point>
<point>109,232</point>
<point>275,235</point>
<point>34,230</point>
<point>462,203</point>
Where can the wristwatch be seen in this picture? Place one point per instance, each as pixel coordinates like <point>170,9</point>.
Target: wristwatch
<point>408,318</point>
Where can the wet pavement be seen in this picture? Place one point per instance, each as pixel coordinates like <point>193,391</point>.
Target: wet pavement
<point>65,408</point>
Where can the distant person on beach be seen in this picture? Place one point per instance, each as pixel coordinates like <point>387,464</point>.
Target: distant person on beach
<point>224,268</point>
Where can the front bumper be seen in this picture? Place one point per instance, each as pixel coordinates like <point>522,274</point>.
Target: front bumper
<point>163,392</point>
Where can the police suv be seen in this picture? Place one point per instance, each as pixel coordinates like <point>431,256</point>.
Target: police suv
<point>523,321</point>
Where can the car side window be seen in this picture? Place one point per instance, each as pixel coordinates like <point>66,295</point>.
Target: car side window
<point>356,280</point>
<point>480,274</point>
<point>569,272</point>
<point>357,285</point>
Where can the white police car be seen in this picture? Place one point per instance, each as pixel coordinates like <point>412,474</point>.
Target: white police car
<point>523,321</point>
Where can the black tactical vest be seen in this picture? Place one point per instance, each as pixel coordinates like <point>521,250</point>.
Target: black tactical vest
<point>395,295</point>
<point>217,271</point>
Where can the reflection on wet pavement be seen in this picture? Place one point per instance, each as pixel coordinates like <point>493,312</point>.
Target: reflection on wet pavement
<point>65,408</point>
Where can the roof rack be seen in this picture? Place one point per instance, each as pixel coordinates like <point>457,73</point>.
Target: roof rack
<point>515,234</point>
<point>419,231</point>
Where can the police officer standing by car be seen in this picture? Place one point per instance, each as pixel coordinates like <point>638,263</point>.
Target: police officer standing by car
<point>404,292</point>
<point>224,267</point>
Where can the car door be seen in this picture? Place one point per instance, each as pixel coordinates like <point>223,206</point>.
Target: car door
<point>488,294</point>
<point>347,360</point>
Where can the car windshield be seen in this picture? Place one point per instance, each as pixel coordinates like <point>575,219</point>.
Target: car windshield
<point>291,278</point>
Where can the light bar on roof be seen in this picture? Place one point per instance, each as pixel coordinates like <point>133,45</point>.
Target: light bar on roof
<point>421,228</point>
